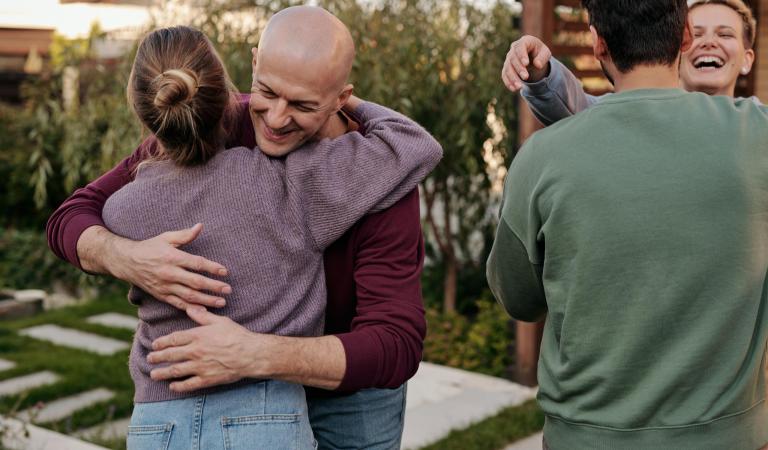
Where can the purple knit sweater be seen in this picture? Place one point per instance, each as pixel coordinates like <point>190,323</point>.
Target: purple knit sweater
<point>268,221</point>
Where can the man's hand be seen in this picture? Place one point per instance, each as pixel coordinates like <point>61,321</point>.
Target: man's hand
<point>156,266</point>
<point>352,103</point>
<point>220,351</point>
<point>527,61</point>
<point>215,353</point>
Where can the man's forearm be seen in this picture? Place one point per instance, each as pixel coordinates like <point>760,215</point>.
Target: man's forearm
<point>95,247</point>
<point>318,362</point>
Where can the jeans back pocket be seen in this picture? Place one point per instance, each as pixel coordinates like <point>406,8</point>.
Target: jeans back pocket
<point>263,432</point>
<point>149,437</point>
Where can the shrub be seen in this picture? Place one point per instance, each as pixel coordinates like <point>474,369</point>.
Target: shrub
<point>26,262</point>
<point>481,343</point>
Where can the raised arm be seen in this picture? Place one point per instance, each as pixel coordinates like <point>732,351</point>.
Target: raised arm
<point>337,181</point>
<point>551,90</point>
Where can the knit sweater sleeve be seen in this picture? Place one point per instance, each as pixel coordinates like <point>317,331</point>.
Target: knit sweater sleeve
<point>337,181</point>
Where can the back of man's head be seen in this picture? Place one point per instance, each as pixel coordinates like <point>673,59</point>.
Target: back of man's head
<point>639,32</point>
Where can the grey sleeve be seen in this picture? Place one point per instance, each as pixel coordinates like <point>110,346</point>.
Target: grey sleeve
<point>557,96</point>
<point>337,181</point>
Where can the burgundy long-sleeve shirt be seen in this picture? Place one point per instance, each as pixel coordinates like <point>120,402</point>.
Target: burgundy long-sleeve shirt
<point>372,272</point>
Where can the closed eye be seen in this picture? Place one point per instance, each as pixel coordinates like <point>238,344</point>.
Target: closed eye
<point>267,94</point>
<point>302,107</point>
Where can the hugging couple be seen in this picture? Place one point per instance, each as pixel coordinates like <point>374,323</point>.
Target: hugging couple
<point>298,213</point>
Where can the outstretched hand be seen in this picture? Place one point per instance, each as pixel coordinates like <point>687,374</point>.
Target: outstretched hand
<point>168,274</point>
<point>527,61</point>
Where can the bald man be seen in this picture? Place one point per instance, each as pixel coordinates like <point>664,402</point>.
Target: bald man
<point>375,322</point>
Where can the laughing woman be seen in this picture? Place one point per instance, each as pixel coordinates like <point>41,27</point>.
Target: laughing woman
<point>722,50</point>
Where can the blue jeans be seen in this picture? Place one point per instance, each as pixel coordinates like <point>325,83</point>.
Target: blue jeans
<point>268,415</point>
<point>371,419</point>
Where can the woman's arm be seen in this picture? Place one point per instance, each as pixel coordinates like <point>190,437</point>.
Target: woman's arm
<point>335,182</point>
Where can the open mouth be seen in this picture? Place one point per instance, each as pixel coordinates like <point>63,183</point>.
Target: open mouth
<point>708,62</point>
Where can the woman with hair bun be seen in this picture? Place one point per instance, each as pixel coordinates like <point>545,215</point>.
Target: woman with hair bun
<point>268,221</point>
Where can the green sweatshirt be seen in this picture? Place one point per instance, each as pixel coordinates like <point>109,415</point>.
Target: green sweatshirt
<point>640,228</point>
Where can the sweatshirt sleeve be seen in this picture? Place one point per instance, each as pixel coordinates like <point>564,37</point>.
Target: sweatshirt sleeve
<point>82,209</point>
<point>516,261</point>
<point>557,96</point>
<point>337,181</point>
<point>385,343</point>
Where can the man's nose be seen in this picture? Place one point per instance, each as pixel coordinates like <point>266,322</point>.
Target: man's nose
<point>277,116</point>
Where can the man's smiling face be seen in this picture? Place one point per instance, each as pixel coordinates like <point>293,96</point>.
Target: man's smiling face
<point>290,102</point>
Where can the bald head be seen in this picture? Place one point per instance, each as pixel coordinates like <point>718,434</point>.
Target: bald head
<point>312,38</point>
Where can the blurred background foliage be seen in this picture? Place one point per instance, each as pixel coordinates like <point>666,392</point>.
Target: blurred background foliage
<point>437,61</point>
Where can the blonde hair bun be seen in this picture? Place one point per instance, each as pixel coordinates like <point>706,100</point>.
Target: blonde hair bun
<point>175,86</point>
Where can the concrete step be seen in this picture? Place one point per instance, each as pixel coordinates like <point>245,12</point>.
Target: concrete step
<point>14,386</point>
<point>76,339</point>
<point>65,407</point>
<point>115,320</point>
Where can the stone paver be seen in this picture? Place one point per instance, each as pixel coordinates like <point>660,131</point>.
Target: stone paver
<point>116,429</point>
<point>30,437</point>
<point>6,365</point>
<point>442,399</point>
<point>23,383</point>
<point>28,295</point>
<point>65,407</point>
<point>115,320</point>
<point>76,339</point>
<point>529,443</point>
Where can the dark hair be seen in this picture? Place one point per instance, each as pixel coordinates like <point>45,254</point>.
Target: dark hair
<point>181,92</point>
<point>639,32</point>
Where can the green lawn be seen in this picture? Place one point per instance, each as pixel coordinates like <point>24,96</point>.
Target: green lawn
<point>78,370</point>
<point>511,424</point>
<point>81,370</point>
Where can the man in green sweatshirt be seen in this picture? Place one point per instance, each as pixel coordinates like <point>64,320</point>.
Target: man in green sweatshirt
<point>639,227</point>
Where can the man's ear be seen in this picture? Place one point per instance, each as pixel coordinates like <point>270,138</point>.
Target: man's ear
<point>687,36</point>
<point>343,97</point>
<point>599,47</point>
<point>255,53</point>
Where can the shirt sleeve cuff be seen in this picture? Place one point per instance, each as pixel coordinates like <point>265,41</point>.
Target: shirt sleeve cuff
<point>363,359</point>
<point>76,226</point>
<point>544,86</point>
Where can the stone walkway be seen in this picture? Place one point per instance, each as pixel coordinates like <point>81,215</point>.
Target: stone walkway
<point>440,399</point>
<point>532,443</point>
<point>65,407</point>
<point>23,383</point>
<point>6,365</point>
<point>75,339</point>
